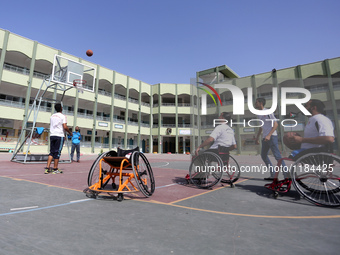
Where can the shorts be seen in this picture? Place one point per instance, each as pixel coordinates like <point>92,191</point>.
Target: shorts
<point>56,146</point>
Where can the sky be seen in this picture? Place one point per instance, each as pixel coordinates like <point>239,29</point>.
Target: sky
<point>159,41</point>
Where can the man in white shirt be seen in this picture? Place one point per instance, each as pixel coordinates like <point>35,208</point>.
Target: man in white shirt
<point>319,131</point>
<point>269,139</point>
<point>222,138</point>
<point>58,124</point>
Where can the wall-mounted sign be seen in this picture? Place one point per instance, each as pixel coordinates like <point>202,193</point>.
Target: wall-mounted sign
<point>185,132</point>
<point>103,124</point>
<point>119,126</point>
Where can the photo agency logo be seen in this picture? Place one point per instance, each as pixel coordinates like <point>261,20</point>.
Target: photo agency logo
<point>239,101</point>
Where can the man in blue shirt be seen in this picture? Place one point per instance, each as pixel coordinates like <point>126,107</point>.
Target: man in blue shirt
<point>76,137</point>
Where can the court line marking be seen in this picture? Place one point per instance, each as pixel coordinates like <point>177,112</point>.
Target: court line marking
<point>175,205</point>
<point>183,199</point>
<point>243,215</point>
<point>23,208</point>
<point>46,207</point>
<point>167,163</point>
<point>166,185</point>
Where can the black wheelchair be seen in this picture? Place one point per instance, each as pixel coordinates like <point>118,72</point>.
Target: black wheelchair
<point>212,167</point>
<point>315,174</point>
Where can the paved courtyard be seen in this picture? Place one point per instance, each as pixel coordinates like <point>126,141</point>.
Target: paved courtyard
<point>50,214</point>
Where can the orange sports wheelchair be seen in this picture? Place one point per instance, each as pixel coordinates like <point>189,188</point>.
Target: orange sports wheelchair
<point>314,174</point>
<point>124,171</point>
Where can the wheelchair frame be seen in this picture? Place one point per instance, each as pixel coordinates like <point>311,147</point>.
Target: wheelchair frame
<point>202,178</point>
<point>315,176</point>
<point>114,167</point>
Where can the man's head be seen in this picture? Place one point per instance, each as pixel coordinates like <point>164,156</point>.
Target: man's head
<point>260,103</point>
<point>226,116</point>
<point>315,106</point>
<point>77,129</point>
<point>58,107</point>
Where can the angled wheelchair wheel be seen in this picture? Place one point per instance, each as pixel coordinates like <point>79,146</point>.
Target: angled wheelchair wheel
<point>206,170</point>
<point>231,171</point>
<point>143,173</point>
<point>94,173</point>
<point>317,178</point>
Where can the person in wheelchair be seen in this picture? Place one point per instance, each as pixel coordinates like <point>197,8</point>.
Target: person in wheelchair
<point>318,134</point>
<point>222,139</point>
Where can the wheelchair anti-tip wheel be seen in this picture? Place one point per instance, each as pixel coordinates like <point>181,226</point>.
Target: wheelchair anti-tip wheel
<point>143,173</point>
<point>317,178</point>
<point>231,171</point>
<point>206,170</point>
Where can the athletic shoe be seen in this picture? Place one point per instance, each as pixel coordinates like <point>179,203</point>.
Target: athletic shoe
<point>57,171</point>
<point>47,170</point>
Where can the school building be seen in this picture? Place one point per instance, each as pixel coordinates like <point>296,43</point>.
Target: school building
<point>162,118</point>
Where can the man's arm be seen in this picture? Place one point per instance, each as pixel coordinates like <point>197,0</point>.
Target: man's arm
<point>275,125</point>
<point>258,136</point>
<point>233,147</point>
<point>314,140</point>
<point>67,129</point>
<point>207,142</point>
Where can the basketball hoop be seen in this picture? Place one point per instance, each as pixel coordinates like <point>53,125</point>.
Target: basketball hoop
<point>79,84</point>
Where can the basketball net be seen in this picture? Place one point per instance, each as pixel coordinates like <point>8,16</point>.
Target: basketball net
<point>79,84</point>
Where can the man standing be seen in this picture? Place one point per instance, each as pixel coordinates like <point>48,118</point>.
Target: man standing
<point>269,140</point>
<point>76,137</point>
<point>58,124</point>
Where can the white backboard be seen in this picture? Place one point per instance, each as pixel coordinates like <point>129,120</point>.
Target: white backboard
<point>66,70</point>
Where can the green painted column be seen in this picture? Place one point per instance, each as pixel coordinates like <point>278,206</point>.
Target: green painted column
<point>160,143</point>
<point>151,122</point>
<point>95,106</point>
<point>176,118</point>
<point>3,53</point>
<point>280,129</point>
<point>76,106</point>
<point>333,102</point>
<point>29,87</point>
<point>237,131</point>
<point>198,116</point>
<point>139,144</point>
<point>126,113</point>
<point>112,108</point>
<point>218,90</point>
<point>298,75</point>
<point>253,85</point>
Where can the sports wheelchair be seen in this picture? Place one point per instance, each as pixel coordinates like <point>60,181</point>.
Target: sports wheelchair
<point>315,175</point>
<point>213,166</point>
<point>113,172</point>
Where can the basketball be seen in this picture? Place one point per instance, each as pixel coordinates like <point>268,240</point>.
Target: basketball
<point>89,53</point>
<point>289,142</point>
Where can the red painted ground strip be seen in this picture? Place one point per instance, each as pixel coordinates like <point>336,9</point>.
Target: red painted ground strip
<point>171,185</point>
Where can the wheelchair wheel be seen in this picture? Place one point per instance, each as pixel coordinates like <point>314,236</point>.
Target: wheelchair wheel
<point>143,173</point>
<point>93,176</point>
<point>317,178</point>
<point>231,171</point>
<point>206,170</point>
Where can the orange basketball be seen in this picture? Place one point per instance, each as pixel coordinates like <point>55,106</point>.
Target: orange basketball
<point>289,141</point>
<point>89,53</point>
